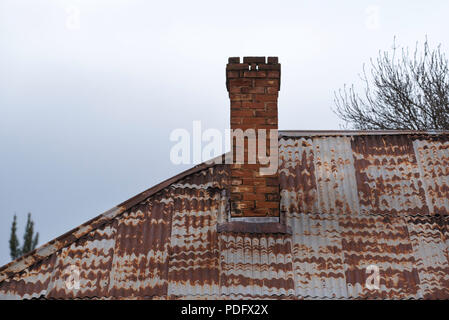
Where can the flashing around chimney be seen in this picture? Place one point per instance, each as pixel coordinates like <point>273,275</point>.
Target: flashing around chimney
<point>255,225</point>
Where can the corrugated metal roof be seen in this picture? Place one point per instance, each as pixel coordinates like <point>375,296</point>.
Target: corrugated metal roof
<point>351,199</point>
<point>388,179</point>
<point>256,265</point>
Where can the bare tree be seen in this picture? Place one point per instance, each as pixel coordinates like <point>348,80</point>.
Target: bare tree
<point>404,91</point>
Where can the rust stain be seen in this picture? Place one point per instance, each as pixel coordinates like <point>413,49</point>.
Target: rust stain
<point>194,254</point>
<point>348,201</point>
<point>334,166</point>
<point>428,235</point>
<point>318,259</point>
<point>297,175</point>
<point>433,163</point>
<point>387,174</point>
<point>385,243</point>
<point>140,263</point>
<point>256,265</point>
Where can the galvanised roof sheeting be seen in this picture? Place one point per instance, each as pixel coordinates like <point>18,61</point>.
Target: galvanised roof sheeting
<point>351,199</point>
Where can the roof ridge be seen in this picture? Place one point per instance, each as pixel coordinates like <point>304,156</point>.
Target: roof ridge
<point>300,133</point>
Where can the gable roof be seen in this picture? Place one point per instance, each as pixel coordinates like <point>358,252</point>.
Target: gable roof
<point>333,185</point>
<point>71,236</point>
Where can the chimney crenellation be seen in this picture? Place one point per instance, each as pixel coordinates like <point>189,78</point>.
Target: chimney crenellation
<point>267,67</point>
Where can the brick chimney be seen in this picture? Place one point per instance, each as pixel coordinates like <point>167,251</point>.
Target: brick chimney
<point>253,88</point>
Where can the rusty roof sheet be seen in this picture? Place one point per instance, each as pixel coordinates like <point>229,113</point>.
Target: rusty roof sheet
<point>256,265</point>
<point>351,199</point>
<point>365,174</point>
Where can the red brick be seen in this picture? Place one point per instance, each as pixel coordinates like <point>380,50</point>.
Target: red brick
<point>260,212</point>
<point>244,89</point>
<point>267,189</point>
<point>253,120</point>
<point>269,67</point>
<point>233,74</point>
<point>242,173</point>
<point>246,204</point>
<point>242,189</point>
<point>246,166</point>
<point>240,82</point>
<point>271,106</point>
<point>270,114</point>
<point>236,196</point>
<point>236,120</point>
<point>254,59</point>
<point>254,74</point>
<point>253,105</point>
<point>266,83</point>
<point>240,97</point>
<point>236,182</point>
<point>273,74</point>
<point>271,120</point>
<point>244,126</point>
<point>256,90</point>
<point>272,197</point>
<point>267,204</point>
<point>272,181</point>
<point>253,196</point>
<point>243,113</point>
<point>265,97</point>
<point>234,89</point>
<point>253,182</point>
<point>273,60</point>
<point>237,66</point>
<point>272,90</point>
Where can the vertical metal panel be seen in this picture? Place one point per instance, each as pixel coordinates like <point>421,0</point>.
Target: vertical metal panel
<point>199,203</point>
<point>384,242</point>
<point>140,265</point>
<point>256,265</point>
<point>433,163</point>
<point>428,236</point>
<point>317,256</point>
<point>31,283</point>
<point>297,175</point>
<point>387,173</point>
<point>92,256</point>
<point>445,236</point>
<point>335,175</point>
<point>194,258</point>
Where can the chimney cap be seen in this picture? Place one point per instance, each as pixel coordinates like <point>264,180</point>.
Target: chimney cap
<point>253,67</point>
<point>273,60</point>
<point>234,60</point>
<point>256,60</point>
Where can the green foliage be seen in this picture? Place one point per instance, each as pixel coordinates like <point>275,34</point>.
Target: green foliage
<point>30,239</point>
<point>13,241</point>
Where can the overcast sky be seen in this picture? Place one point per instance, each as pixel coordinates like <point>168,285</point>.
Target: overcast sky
<point>91,89</point>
